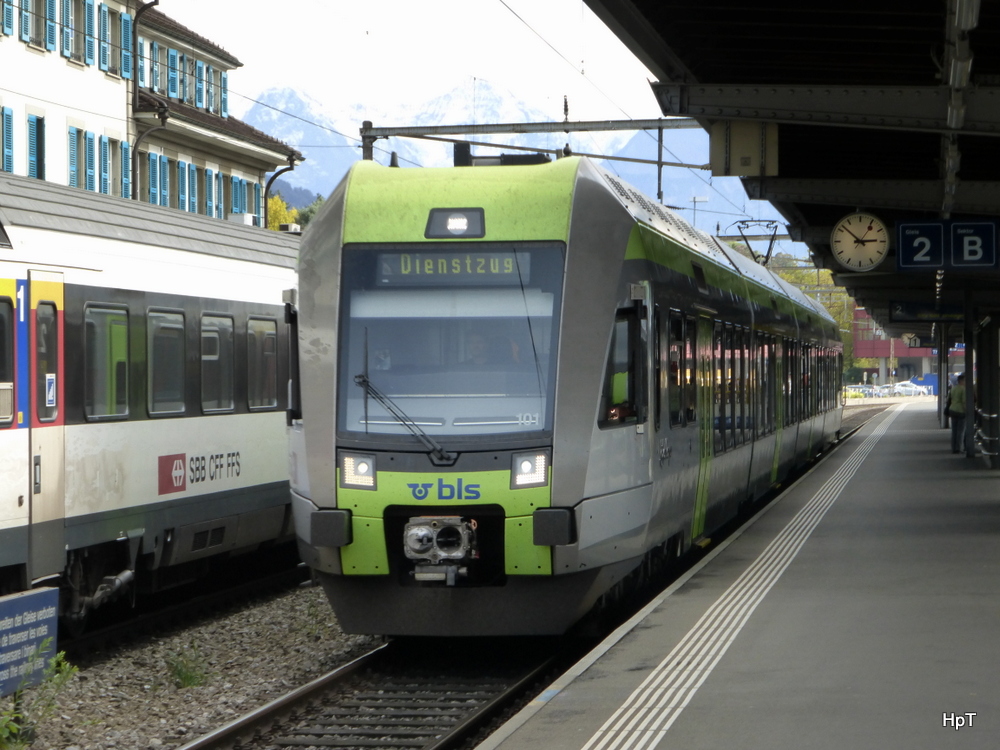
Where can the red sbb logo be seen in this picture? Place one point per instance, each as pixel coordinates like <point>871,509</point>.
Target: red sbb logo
<point>172,476</point>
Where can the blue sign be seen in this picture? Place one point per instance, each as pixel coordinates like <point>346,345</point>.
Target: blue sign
<point>27,620</point>
<point>947,246</point>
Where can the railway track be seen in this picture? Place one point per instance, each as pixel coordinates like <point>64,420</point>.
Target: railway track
<point>400,696</point>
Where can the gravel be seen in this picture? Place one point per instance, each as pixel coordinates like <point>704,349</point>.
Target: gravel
<point>129,699</point>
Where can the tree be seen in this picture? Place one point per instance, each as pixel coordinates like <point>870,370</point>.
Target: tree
<point>279,213</point>
<point>309,212</point>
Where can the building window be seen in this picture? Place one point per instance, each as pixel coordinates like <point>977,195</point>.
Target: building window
<point>36,147</point>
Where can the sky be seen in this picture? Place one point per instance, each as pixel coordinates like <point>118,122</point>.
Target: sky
<point>405,52</point>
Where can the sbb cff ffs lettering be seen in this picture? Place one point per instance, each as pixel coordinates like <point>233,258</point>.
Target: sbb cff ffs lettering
<point>213,467</point>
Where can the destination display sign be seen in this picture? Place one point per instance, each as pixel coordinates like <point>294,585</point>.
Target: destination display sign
<point>454,269</point>
<point>925,312</point>
<point>947,245</point>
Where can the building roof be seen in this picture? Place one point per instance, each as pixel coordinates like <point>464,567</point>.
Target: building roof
<point>230,126</point>
<point>158,21</point>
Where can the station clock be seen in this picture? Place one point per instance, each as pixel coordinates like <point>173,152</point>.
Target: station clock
<point>859,241</point>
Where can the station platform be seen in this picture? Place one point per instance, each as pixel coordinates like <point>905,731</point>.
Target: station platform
<point>860,610</point>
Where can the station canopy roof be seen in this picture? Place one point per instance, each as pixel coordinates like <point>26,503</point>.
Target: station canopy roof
<point>831,107</point>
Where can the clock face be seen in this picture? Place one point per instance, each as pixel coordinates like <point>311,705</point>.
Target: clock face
<point>859,241</point>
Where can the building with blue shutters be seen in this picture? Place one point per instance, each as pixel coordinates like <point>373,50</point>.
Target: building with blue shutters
<point>118,98</point>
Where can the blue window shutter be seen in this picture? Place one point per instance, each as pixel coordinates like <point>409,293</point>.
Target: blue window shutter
<point>224,80</point>
<point>33,160</point>
<point>199,85</point>
<point>154,182</point>
<point>105,185</point>
<point>173,89</point>
<point>209,204</point>
<point>25,20</point>
<point>126,46</point>
<point>50,25</point>
<point>182,185</point>
<point>7,136</point>
<point>257,204</point>
<point>104,45</point>
<point>88,27</point>
<point>90,162</point>
<point>154,67</point>
<point>8,17</point>
<point>192,188</point>
<point>65,31</point>
<point>126,170</point>
<point>164,181</point>
<point>74,177</point>
<point>234,197</point>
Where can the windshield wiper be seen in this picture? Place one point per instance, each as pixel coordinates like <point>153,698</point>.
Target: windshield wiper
<point>438,455</point>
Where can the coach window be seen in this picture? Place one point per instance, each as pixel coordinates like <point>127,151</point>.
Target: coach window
<point>106,360</point>
<point>676,369</point>
<point>620,400</point>
<point>46,361</point>
<point>719,386</point>
<point>690,371</point>
<point>165,334</point>
<point>6,361</point>
<point>216,363</point>
<point>262,363</point>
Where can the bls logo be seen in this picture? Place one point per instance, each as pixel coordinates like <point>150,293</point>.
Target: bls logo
<point>445,491</point>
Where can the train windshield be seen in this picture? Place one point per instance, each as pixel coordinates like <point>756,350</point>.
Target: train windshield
<point>460,340</point>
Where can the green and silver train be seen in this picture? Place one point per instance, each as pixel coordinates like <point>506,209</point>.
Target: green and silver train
<point>519,387</point>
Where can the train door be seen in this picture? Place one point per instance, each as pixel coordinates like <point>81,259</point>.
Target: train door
<point>677,453</point>
<point>47,419</point>
<point>707,376</point>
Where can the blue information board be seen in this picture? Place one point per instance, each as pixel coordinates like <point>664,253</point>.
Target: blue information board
<point>27,620</point>
<point>947,246</point>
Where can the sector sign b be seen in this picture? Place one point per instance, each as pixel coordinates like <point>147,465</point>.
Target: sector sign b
<point>946,246</point>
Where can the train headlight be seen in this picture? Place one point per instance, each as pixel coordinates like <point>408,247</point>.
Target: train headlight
<point>529,470</point>
<point>357,471</point>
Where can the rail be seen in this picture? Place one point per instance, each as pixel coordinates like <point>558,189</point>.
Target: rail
<point>986,444</point>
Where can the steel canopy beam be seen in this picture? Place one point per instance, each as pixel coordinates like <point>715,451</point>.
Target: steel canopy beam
<point>919,108</point>
<point>977,197</point>
<point>531,127</point>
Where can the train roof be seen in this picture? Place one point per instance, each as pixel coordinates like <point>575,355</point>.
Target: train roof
<point>35,204</point>
<point>666,222</point>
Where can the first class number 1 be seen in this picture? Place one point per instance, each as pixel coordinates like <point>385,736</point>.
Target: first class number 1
<point>213,467</point>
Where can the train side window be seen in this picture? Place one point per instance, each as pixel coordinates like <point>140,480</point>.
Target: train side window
<point>46,362</point>
<point>690,371</point>
<point>677,368</point>
<point>106,362</point>
<point>6,361</point>
<point>217,364</point>
<point>262,363</point>
<point>719,385</point>
<point>621,394</point>
<point>165,334</point>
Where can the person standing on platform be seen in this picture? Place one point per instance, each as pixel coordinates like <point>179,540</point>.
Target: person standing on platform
<point>956,411</point>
